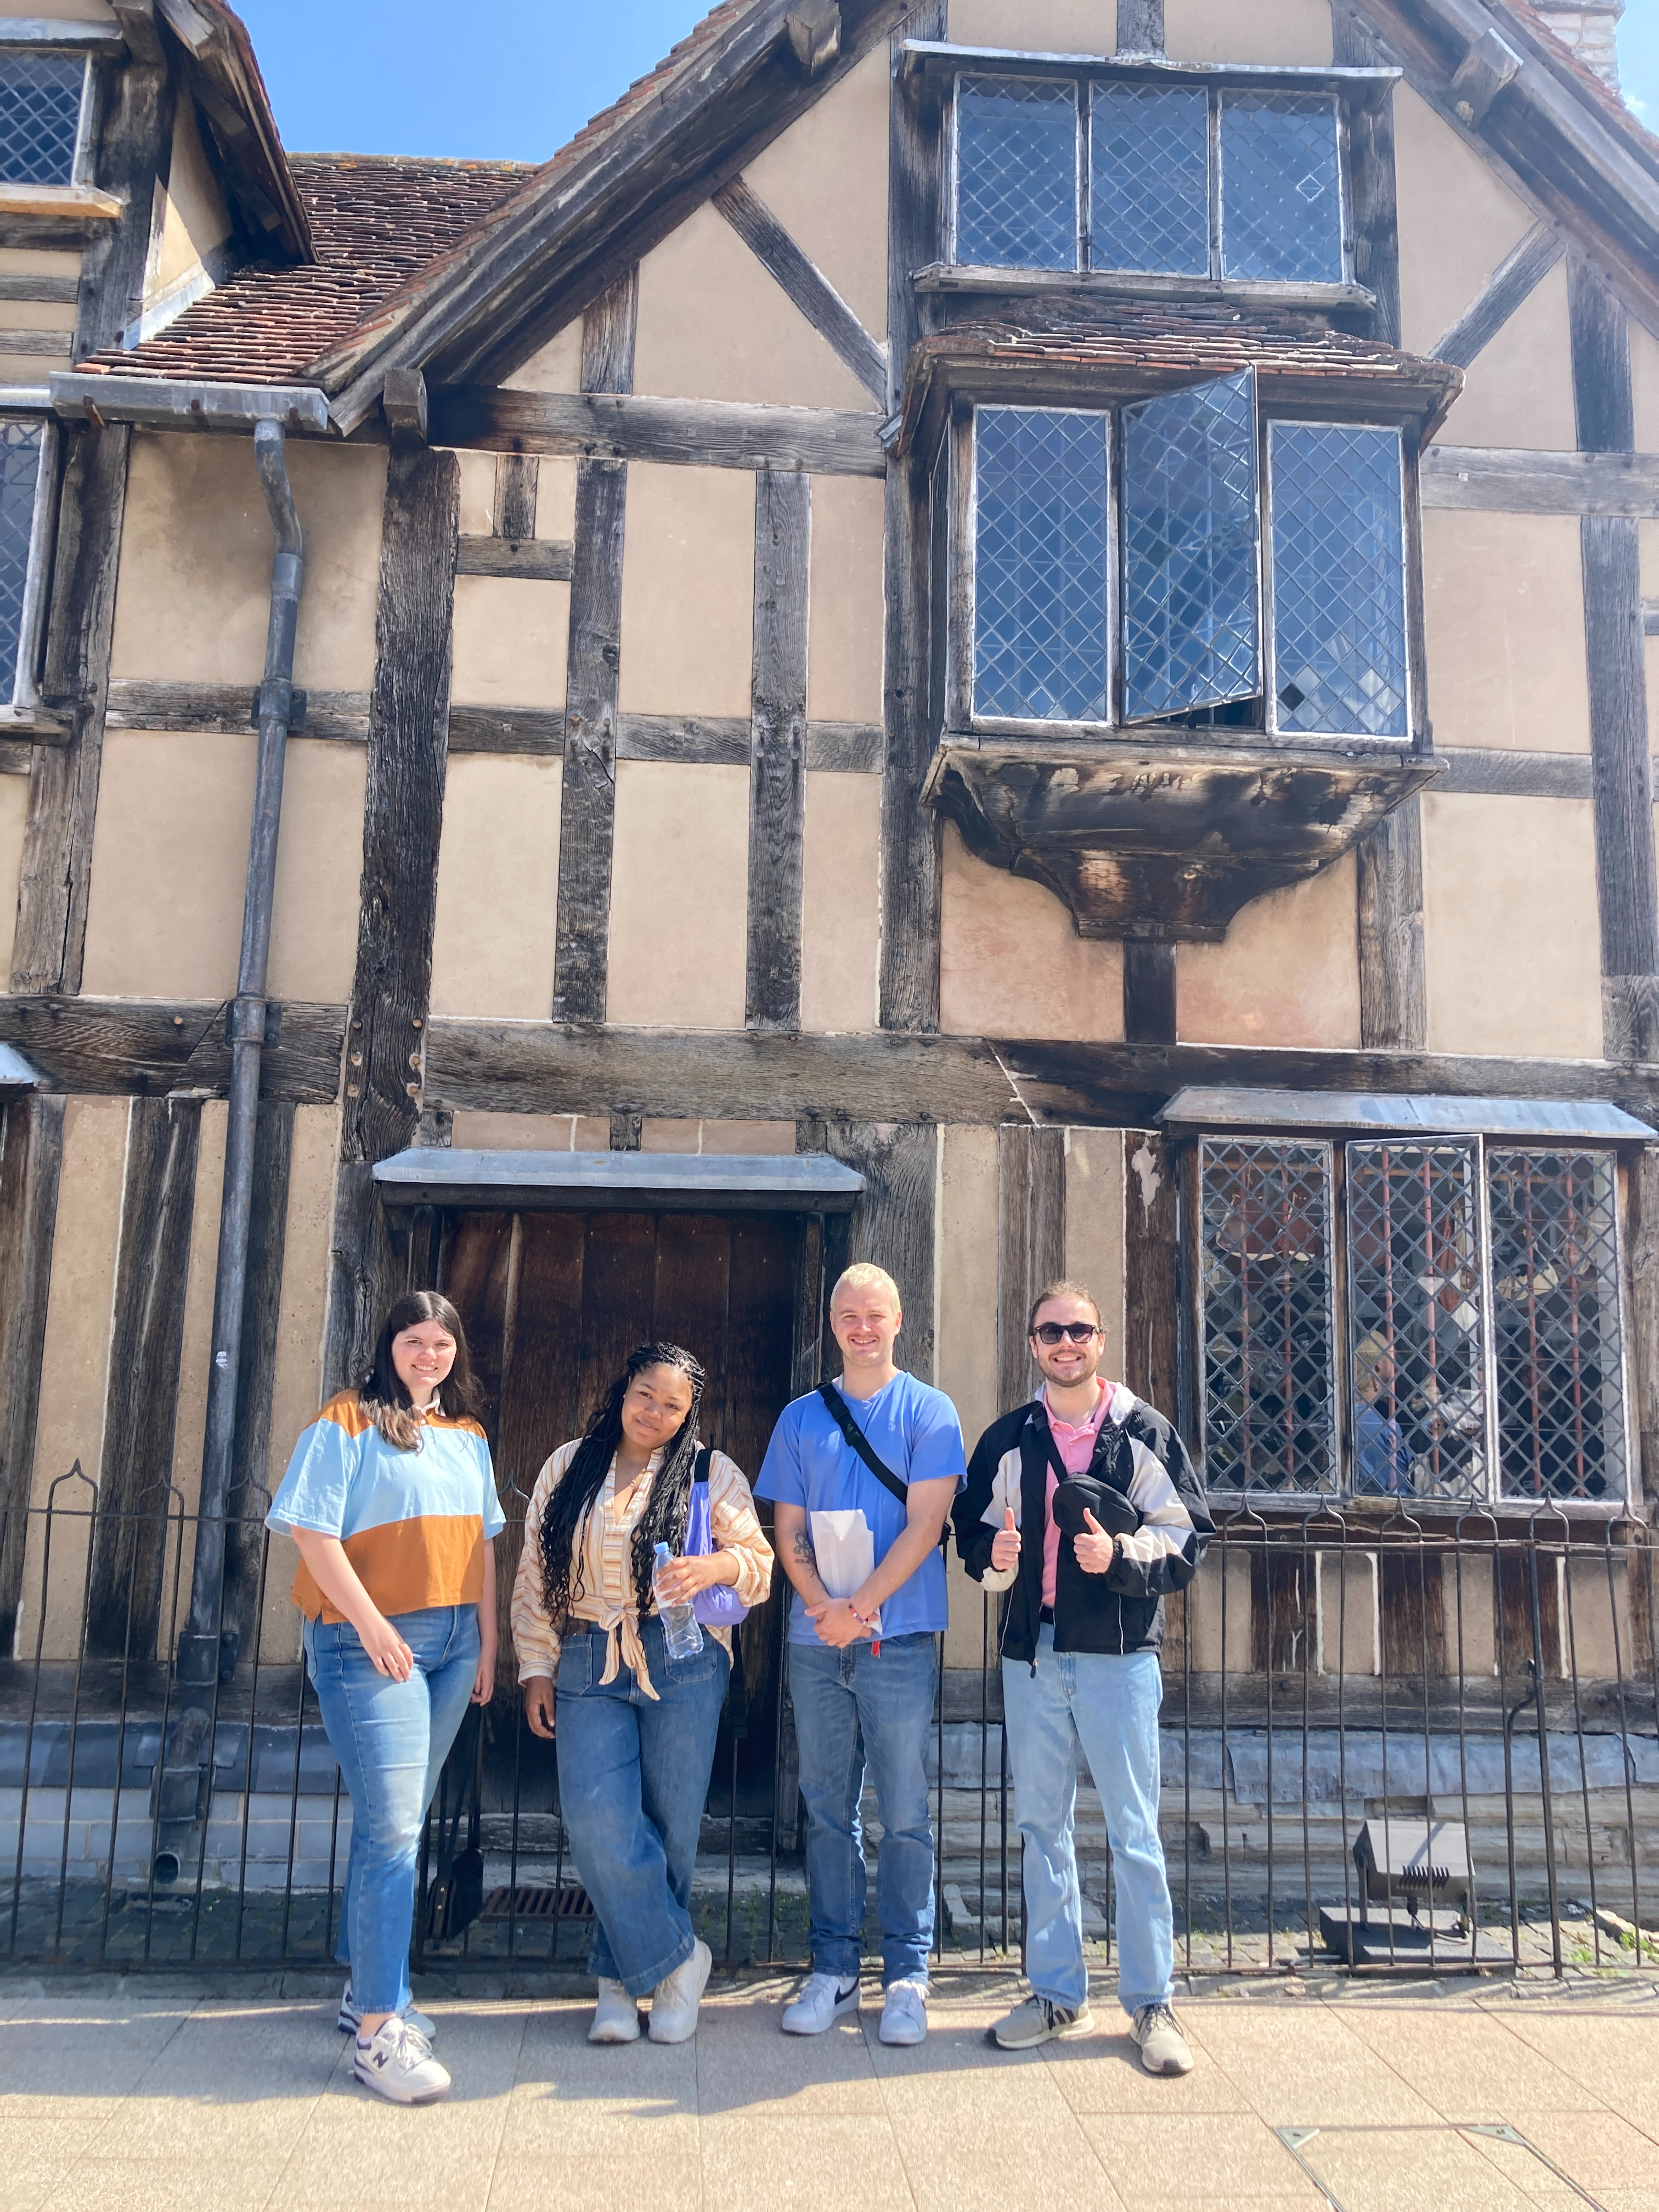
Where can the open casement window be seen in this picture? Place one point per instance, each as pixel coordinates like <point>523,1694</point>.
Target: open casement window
<point>1479,1354</point>
<point>43,106</point>
<point>27,456</point>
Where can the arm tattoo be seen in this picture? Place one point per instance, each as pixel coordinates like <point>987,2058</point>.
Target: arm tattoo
<point>805,1555</point>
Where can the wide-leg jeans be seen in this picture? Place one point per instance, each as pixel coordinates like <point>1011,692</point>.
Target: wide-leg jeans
<point>392,1740</point>
<point>1108,1706</point>
<point>633,1778</point>
<point>854,1708</point>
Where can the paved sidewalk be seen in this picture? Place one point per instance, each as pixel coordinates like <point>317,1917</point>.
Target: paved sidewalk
<point>129,2102</point>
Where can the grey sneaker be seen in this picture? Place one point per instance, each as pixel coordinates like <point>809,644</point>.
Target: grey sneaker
<point>1163,2047</point>
<point>349,2018</point>
<point>398,2064</point>
<point>1036,2021</point>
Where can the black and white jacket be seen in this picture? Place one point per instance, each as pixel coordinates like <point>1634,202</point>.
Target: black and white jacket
<point>1138,1453</point>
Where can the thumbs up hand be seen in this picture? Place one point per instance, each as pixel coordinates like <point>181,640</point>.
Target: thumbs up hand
<point>1004,1548</point>
<point>1095,1551</point>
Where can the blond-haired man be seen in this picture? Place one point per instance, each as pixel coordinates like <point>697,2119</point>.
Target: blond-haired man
<point>866,1469</point>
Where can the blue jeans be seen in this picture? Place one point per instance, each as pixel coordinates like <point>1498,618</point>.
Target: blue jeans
<point>633,1779</point>
<point>1108,1706</point>
<point>851,1707</point>
<point>392,1740</point>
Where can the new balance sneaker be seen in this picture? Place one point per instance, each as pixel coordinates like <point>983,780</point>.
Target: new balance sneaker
<point>674,2002</point>
<point>350,2019</point>
<point>398,2064</point>
<point>904,2012</point>
<point>1036,2021</point>
<point>616,2016</point>
<point>1163,2047</point>
<point>822,2000</point>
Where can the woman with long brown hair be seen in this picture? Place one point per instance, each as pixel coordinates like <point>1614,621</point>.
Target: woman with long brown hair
<point>390,1499</point>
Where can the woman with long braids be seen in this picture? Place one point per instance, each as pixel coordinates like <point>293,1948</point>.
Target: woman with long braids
<point>635,1729</point>
<point>390,1499</point>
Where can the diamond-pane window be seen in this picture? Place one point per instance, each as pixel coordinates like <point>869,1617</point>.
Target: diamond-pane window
<point>1338,572</point>
<point>1416,1361</point>
<point>1017,162</point>
<point>1555,1321</point>
<point>1151,159</point>
<point>1190,531</point>
<point>1268,1380</point>
<point>20,470</point>
<point>1040,564</point>
<point>1281,197</point>
<point>39,116</point>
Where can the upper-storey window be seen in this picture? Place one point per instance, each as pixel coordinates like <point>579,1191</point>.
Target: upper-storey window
<point>42,99</point>
<point>1064,172</point>
<point>25,475</point>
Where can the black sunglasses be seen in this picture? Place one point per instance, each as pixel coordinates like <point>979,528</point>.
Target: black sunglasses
<point>1073,1332</point>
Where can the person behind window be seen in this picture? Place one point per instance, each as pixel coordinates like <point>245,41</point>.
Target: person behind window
<point>635,1726</point>
<point>390,1499</point>
<point>1382,1460</point>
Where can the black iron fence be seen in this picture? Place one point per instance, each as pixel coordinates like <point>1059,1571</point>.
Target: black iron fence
<point>1387,1739</point>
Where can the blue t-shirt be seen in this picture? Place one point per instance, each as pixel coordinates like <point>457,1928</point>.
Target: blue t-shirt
<point>913,1429</point>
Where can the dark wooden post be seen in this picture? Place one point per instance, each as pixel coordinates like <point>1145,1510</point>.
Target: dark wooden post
<point>1149,992</point>
<point>403,822</point>
<point>1031,1244</point>
<point>1150,1272</point>
<point>135,153</point>
<point>1140,26</point>
<point>31,1157</point>
<point>777,772</point>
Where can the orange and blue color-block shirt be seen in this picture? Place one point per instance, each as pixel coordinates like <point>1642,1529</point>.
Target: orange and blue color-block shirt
<point>413,1522</point>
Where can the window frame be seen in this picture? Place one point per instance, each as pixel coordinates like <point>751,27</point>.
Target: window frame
<point>81,162</point>
<point>23,703</point>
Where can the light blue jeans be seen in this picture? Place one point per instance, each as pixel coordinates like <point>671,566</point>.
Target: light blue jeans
<point>1108,1706</point>
<point>392,1740</point>
<point>633,1779</point>
<point>853,1708</point>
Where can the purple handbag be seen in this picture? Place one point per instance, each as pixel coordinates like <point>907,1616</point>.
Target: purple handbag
<point>718,1606</point>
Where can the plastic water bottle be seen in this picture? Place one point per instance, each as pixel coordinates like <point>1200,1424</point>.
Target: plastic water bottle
<point>682,1632</point>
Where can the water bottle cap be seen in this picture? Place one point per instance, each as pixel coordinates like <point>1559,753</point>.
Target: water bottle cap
<point>659,1551</point>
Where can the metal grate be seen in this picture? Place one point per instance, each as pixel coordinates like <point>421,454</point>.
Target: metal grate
<point>529,1903</point>
<point>1281,197</point>
<point>39,116</point>
<point>1416,1359</point>
<point>20,472</point>
<point>1189,527</point>
<point>1555,1321</point>
<point>1040,564</point>
<point>1015,173</point>
<point>1269,1390</point>
<point>1338,579</point>
<point>1151,186</point>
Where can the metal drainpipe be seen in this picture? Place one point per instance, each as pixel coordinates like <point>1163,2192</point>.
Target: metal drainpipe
<point>197,1661</point>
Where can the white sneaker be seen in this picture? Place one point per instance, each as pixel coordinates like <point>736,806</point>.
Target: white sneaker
<point>674,2002</point>
<point>349,2018</point>
<point>616,2016</point>
<point>822,2000</point>
<point>398,2065</point>
<point>904,2012</point>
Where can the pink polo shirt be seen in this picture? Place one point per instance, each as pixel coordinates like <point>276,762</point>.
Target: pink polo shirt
<point>1076,1445</point>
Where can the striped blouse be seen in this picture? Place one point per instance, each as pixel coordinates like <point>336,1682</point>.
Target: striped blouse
<point>606,1595</point>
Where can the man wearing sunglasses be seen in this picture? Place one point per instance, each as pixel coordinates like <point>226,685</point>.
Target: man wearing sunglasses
<point>1085,1506</point>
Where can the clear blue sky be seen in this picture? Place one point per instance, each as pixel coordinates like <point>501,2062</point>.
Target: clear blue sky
<point>391,77</point>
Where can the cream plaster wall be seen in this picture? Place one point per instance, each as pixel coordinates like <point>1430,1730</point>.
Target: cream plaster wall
<point>662,1134</point>
<point>511,642</point>
<point>37,261</point>
<point>1504,613</point>
<point>1011,964</point>
<point>14,819</point>
<point>498,883</point>
<point>94,11</point>
<point>194,218</point>
<point>1049,26</point>
<point>713,324</point>
<point>679,895</point>
<point>36,315</point>
<point>1509,927</point>
<point>1644,385</point>
<point>196,1345</point>
<point>841,902</point>
<point>845,608</point>
<point>555,367</point>
<point>75,1364</point>
<point>169,866</point>
<point>556,495</point>
<point>1519,387</point>
<point>1287,972</point>
<point>1094,1230</point>
<point>532,1132</point>
<point>296,1386</point>
<point>688,607</point>
<point>1295,31</point>
<point>478,493</point>
<point>193,599</point>
<point>1444,264</point>
<point>825,180</point>
<point>966,1362</point>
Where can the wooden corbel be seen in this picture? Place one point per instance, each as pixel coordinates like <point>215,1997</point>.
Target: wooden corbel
<point>403,403</point>
<point>1483,71</point>
<point>814,29</point>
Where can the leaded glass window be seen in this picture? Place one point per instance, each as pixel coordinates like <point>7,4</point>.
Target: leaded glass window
<point>1190,548</point>
<point>39,116</point>
<point>1017,167</point>
<point>1339,574</point>
<point>1150,208</point>
<point>1040,564</point>
<point>20,473</point>
<point>1281,198</point>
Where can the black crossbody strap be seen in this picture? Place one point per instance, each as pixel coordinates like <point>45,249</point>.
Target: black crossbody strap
<point>699,1466</point>
<point>856,1437</point>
